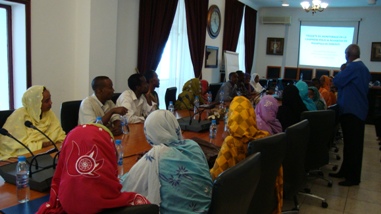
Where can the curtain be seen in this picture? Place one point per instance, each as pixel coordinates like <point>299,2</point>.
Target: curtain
<point>196,15</point>
<point>233,19</point>
<point>155,23</point>
<point>250,32</point>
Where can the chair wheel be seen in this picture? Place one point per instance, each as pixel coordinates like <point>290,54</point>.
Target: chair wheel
<point>334,168</point>
<point>330,184</point>
<point>324,204</point>
<point>338,157</point>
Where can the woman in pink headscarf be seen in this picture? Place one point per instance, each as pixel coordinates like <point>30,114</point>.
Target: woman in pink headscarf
<point>85,180</point>
<point>266,111</point>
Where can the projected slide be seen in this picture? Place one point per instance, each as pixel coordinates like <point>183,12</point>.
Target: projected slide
<point>324,46</point>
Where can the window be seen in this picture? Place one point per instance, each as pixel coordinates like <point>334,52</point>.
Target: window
<point>175,67</point>
<point>241,45</point>
<point>14,52</point>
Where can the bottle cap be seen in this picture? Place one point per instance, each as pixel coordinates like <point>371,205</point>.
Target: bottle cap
<point>21,158</point>
<point>170,103</point>
<point>213,121</point>
<point>99,118</point>
<point>118,142</point>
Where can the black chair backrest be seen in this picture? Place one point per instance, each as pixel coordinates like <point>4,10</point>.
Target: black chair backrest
<point>213,88</point>
<point>322,123</point>
<point>136,209</point>
<point>4,116</point>
<point>273,150</point>
<point>234,188</point>
<point>263,82</point>
<point>170,95</point>
<point>69,115</point>
<point>294,174</point>
<point>115,96</point>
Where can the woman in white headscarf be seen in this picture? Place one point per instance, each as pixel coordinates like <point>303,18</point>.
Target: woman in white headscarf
<point>255,83</point>
<point>174,174</point>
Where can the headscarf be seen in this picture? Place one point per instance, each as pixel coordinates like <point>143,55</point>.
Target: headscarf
<point>325,91</point>
<point>319,102</point>
<point>85,180</point>
<point>256,85</point>
<point>303,93</point>
<point>266,112</point>
<point>204,88</point>
<point>191,89</point>
<point>174,173</point>
<point>292,107</point>
<point>48,123</point>
<point>243,129</point>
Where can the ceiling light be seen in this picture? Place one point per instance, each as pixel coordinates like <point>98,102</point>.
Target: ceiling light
<point>317,6</point>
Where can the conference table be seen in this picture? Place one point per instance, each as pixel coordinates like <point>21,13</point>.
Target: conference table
<point>135,145</point>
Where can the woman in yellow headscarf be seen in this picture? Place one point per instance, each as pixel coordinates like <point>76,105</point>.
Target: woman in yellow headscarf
<point>243,129</point>
<point>36,109</point>
<point>191,89</point>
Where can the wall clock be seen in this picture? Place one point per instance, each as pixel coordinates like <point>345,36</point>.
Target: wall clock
<point>214,21</point>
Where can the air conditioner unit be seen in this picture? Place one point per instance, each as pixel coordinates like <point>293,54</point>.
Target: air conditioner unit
<point>282,20</point>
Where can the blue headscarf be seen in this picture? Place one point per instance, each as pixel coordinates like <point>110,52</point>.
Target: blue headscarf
<point>303,93</point>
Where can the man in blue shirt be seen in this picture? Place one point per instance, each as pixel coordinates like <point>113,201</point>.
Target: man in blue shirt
<point>352,84</point>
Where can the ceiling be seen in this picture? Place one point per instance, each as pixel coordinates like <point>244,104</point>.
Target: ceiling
<point>331,3</point>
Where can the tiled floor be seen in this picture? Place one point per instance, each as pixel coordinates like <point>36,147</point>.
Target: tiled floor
<point>364,198</point>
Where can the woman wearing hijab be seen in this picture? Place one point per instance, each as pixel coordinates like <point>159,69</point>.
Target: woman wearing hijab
<point>36,108</point>
<point>191,89</point>
<point>292,107</point>
<point>204,89</point>
<point>314,95</point>
<point>86,177</point>
<point>243,129</point>
<point>174,174</point>
<point>255,83</point>
<point>303,93</point>
<point>266,111</point>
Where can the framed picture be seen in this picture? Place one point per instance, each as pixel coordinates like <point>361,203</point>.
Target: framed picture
<point>376,51</point>
<point>275,46</point>
<point>211,57</point>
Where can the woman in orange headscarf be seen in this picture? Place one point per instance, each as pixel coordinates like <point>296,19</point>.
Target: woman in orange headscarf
<point>325,90</point>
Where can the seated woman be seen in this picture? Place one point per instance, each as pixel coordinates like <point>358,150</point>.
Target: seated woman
<point>36,108</point>
<point>314,95</point>
<point>174,174</point>
<point>292,107</point>
<point>191,88</point>
<point>255,83</point>
<point>243,129</point>
<point>86,177</point>
<point>266,112</point>
<point>303,93</point>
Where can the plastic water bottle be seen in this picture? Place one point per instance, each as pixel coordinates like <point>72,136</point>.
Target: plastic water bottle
<point>124,124</point>
<point>213,132</point>
<point>119,149</point>
<point>99,120</point>
<point>196,104</point>
<point>22,180</point>
<point>222,94</point>
<point>171,107</point>
<point>210,98</point>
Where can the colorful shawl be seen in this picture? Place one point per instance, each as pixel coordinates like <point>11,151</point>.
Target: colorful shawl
<point>243,129</point>
<point>85,180</point>
<point>303,93</point>
<point>31,111</point>
<point>191,89</point>
<point>174,173</point>
<point>266,112</point>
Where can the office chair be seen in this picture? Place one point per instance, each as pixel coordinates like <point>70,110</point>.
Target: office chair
<point>115,96</point>
<point>137,209</point>
<point>69,115</point>
<point>170,95</point>
<point>214,87</point>
<point>4,116</point>
<point>273,150</point>
<point>234,188</point>
<point>294,174</point>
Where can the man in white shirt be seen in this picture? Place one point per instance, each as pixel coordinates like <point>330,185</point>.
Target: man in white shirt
<point>100,104</point>
<point>134,100</point>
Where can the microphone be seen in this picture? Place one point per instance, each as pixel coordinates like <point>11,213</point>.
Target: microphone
<point>198,110</point>
<point>30,125</point>
<point>186,106</point>
<point>6,133</point>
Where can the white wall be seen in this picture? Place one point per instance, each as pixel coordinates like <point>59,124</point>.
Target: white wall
<point>369,32</point>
